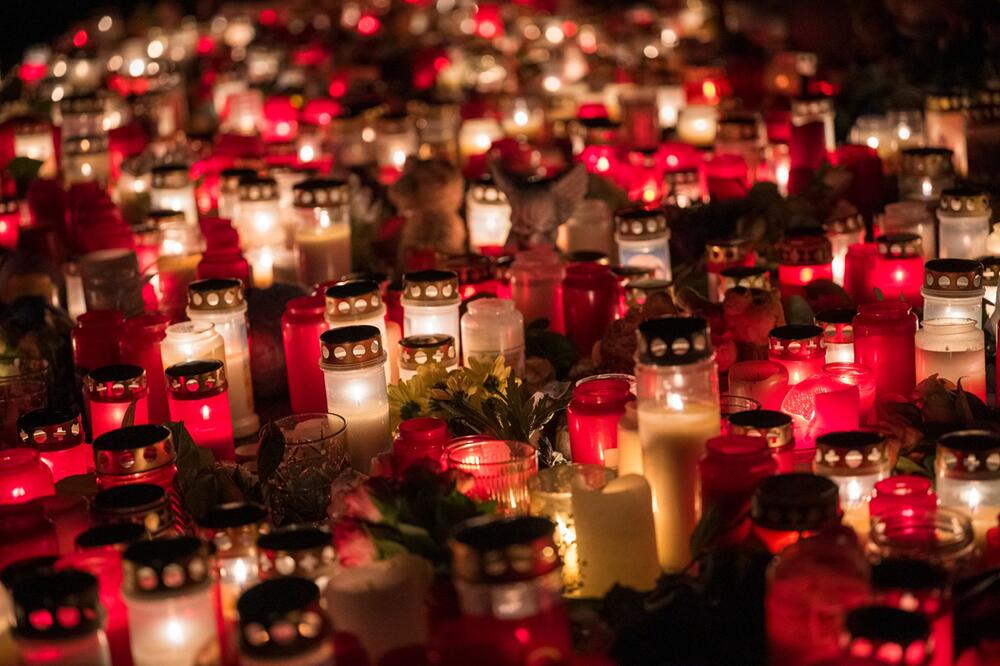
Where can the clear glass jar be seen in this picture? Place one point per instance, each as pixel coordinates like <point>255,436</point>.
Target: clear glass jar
<point>942,536</point>
<point>588,229</point>
<point>843,232</point>
<point>678,408</point>
<point>493,327</point>
<point>643,238</point>
<point>431,304</point>
<point>221,302</point>
<point>323,230</point>
<point>967,476</point>
<point>952,349</point>
<point>536,286</point>
<point>500,469</point>
<point>912,217</point>
<point>487,215</point>
<point>953,289</point>
<point>925,174</point>
<point>964,223</point>
<point>799,349</point>
<point>353,361</point>
<point>172,190</point>
<point>266,613</point>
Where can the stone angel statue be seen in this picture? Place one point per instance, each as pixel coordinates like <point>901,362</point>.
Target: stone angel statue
<point>540,205</point>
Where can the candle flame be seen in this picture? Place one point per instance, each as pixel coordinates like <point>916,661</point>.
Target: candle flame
<point>174,632</point>
<point>205,412</point>
<point>903,132</point>
<point>853,492</point>
<point>521,117</point>
<point>240,572</point>
<point>972,497</point>
<point>307,153</point>
<point>926,188</point>
<point>675,402</point>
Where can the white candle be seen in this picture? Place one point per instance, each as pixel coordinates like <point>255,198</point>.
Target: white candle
<point>697,124</point>
<point>476,136</point>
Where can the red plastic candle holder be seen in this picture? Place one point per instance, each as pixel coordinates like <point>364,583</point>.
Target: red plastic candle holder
<point>859,272</point>
<point>788,507</point>
<point>420,439</point>
<point>803,258</point>
<point>732,467</point>
<point>25,533</point>
<point>198,397</point>
<point>301,325</point>
<point>858,375</point>
<point>589,300</point>
<point>140,345</point>
<point>57,435</point>
<point>884,342</point>
<point>899,270</point>
<point>95,339</point>
<point>10,223</point>
<point>592,419</point>
<point>774,428</point>
<point>110,391</point>
<point>23,476</point>
<point>799,349</point>
<point>902,492</point>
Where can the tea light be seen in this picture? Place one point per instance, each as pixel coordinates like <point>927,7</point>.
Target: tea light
<point>500,470</point>
<point>222,303</point>
<point>57,435</point>
<point>395,142</point>
<point>476,137</point>
<point>431,303</point>
<point>23,476</point>
<point>774,427</point>
<point>233,529</point>
<point>803,257</point>
<point>726,177</point>
<point>493,327</point>
<point>925,173</point>
<point>593,415</point>
<point>168,590</point>
<point>952,349</point>
<point>266,613</point>
<point>721,254</point>
<point>964,222</point>
<point>111,391</point>
<point>244,114</point>
<point>642,177</point>
<point>763,381</point>
<point>172,190</point>
<point>843,232</point>
<point>900,267</point>
<point>967,476</point>
<point>643,237</point>
<point>855,461</point>
<point>420,350</point>
<point>884,342</point>
<point>323,231</point>
<point>799,348</point>
<point>953,289</point>
<point>488,215</point>
<point>198,397</point>
<point>353,361</point>
<point>697,124</point>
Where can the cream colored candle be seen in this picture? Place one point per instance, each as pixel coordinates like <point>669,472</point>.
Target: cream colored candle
<point>612,550</point>
<point>323,254</point>
<point>629,446</point>
<point>697,124</point>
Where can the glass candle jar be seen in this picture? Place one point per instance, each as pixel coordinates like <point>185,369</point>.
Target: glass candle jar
<point>952,349</point>
<point>95,339</point>
<point>922,588</point>
<point>697,124</point>
<point>838,334</point>
<point>908,217</point>
<point>487,215</point>
<point>765,382</point>
<point>859,272</point>
<point>774,427</point>
<point>269,609</point>
<point>136,454</point>
<point>323,230</point>
<point>353,361</point>
<point>991,280</point>
<point>855,374</point>
<point>222,303</point>
<point>144,505</point>
<point>357,302</point>
<point>301,325</point>
<point>802,258</point>
<point>589,300</point>
<point>901,492</point>
<point>57,435</point>
<point>925,174</point>
<point>395,141</point>
<point>963,223</point>
<point>58,619</point>
<point>420,441</point>
<point>258,222</point>
<point>23,476</point>
<point>941,536</point>
<point>296,550</point>
<point>732,467</point>
<point>588,229</point>
<point>787,508</point>
<point>431,303</point>
<point>420,350</point>
<point>891,635</point>
<point>169,593</point>
<point>229,190</point>
<point>724,253</point>
<point>592,417</point>
<point>500,470</point>
<point>141,338</point>
<point>475,137</point>
<point>191,341</point>
<point>842,232</point>
<point>799,349</point>
<point>900,267</point>
<point>884,342</point>
<point>197,395</point>
<point>953,289</point>
<point>172,190</point>
<point>536,286</point>
<point>812,133</point>
<point>111,281</point>
<point>678,409</point>
<point>111,391</point>
<point>855,461</point>
<point>967,476</point>
<point>534,621</point>
<point>493,327</point>
<point>643,238</point>
<point>85,159</point>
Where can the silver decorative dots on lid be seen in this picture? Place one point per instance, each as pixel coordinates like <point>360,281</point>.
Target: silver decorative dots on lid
<point>320,193</point>
<point>258,189</point>
<point>351,347</point>
<point>215,294</point>
<point>166,566</point>
<point>674,340</point>
<point>637,223</point>
<point>431,286</point>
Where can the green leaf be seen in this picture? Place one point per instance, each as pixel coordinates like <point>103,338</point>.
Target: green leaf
<point>879,296</point>
<point>270,453</point>
<point>23,168</point>
<point>129,417</point>
<point>906,465</point>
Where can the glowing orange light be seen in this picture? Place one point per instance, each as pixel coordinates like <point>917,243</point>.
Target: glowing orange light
<point>709,90</point>
<point>782,81</point>
<point>806,275</point>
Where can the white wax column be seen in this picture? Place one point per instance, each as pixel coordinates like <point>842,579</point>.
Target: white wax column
<point>361,397</point>
<point>629,449</point>
<point>613,550</point>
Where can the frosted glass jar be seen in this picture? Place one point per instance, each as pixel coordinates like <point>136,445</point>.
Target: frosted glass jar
<point>418,350</point>
<point>967,478</point>
<point>953,289</point>
<point>191,341</point>
<point>588,229</point>
<point>322,235</point>
<point>964,223</point>
<point>643,239</point>
<point>952,349</point>
<point>431,303</point>
<point>356,303</point>
<point>912,217</point>
<point>494,327</point>
<point>172,190</point>
<point>487,215</point>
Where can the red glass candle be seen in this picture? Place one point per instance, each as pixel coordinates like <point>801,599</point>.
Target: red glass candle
<point>859,272</point>
<point>803,257</point>
<point>57,435</point>
<point>799,349</point>
<point>589,299</point>
<point>726,176</point>
<point>809,134</point>
<point>789,507</point>
<point>905,491</point>
<point>891,635</point>
<point>592,419</point>
<point>732,467</point>
<point>644,182</point>
<point>419,439</point>
<point>23,476</point>
<point>899,270</point>
<point>222,257</point>
<point>198,397</point>
<point>763,381</point>
<point>923,588</point>
<point>10,222</point>
<point>301,325</point>
<point>774,428</point>
<point>858,375</point>
<point>110,391</point>
<point>95,339</point>
<point>25,533</point>
<point>140,345</point>
<point>724,253</point>
<point>884,342</point>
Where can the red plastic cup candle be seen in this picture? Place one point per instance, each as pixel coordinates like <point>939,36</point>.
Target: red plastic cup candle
<point>23,476</point>
<point>899,270</point>
<point>140,345</point>
<point>884,342</point>
<point>774,428</point>
<point>301,325</point>
<point>858,375</point>
<point>799,349</point>
<point>57,435</point>
<point>763,381</point>
<point>724,253</point>
<point>730,470</point>
<point>920,587</point>
<point>788,507</point>
<point>223,257</point>
<point>95,339</point>
<point>500,470</point>
<point>422,439</point>
<point>589,295</point>
<point>803,257</point>
<point>198,397</point>
<point>111,391</point>
<point>905,491</point>
<point>859,272</point>
<point>592,419</point>
<point>818,405</point>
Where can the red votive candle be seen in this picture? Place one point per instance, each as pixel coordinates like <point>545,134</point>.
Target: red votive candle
<point>589,299</point>
<point>95,339</point>
<point>10,222</point>
<point>774,427</point>
<point>140,345</point>
<point>198,397</point>
<point>301,325</point>
<point>920,587</point>
<point>884,342</point>
<point>592,420</point>
<point>858,375</point>
<point>109,391</point>
<point>803,256</point>
<point>789,507</point>
<point>732,467</point>
<point>419,439</point>
<point>25,533</point>
<point>859,272</point>
<point>899,270</point>
<point>500,469</point>
<point>222,257</point>
<point>726,176</point>
<point>906,491</point>
<point>57,435</point>
<point>799,349</point>
<point>23,476</point>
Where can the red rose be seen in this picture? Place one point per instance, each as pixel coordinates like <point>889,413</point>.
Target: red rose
<point>353,543</point>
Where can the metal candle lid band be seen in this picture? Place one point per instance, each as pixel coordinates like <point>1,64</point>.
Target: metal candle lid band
<point>897,636</point>
<point>837,324</point>
<point>674,340</point>
<point>681,177</point>
<point>795,502</point>
<point>320,193</point>
<point>470,268</point>
<point>796,341</point>
<point>352,298</point>
<point>773,426</point>
<point>57,605</point>
<point>637,223</point>
<point>166,566</point>
<point>281,618</point>
<point>804,249</point>
<point>171,176</point>
<point>964,202</point>
<point>969,454</point>
<point>351,347</point>
<point>50,429</point>
<point>85,145</point>
<point>812,106</point>
<point>949,101</point>
<point>738,128</point>
<point>229,179</point>
<point>431,286</point>
<point>9,206</point>
<point>258,189</point>
<point>895,246</point>
<point>295,551</point>
<point>991,270</point>
<point>143,504</point>
<point>192,380</point>
<point>133,449</point>
<point>929,162</point>
<point>114,383</point>
<point>953,275</point>
<point>727,250</point>
<point>418,350</point>
<point>155,219</point>
<point>639,291</point>
<point>851,452</point>
<point>845,224</point>
<point>215,294</point>
<point>486,192</point>
<point>233,528</point>
<point>749,277</point>
<point>504,550</point>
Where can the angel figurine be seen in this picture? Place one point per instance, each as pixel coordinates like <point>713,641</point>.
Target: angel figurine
<point>540,205</point>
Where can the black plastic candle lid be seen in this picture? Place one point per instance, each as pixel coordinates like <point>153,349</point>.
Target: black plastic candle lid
<point>795,332</point>
<point>29,567</point>
<point>281,617</point>
<point>294,538</point>
<point>908,574</point>
<point>129,497</point>
<point>232,514</point>
<point>131,437</point>
<point>794,502</point>
<point>885,624</point>
<point>120,372</point>
<point>760,418</point>
<point>674,340</point>
<point>352,288</point>
<point>59,604</point>
<point>112,534</point>
<point>850,439</point>
<point>166,565</point>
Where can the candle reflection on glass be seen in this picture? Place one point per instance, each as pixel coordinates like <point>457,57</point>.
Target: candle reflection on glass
<point>500,470</point>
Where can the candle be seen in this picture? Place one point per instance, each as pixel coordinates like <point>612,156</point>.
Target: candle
<point>643,237</point>
<point>493,327</point>
<point>536,286</point>
<point>721,254</point>
<point>138,454</point>
<point>296,550</point>
<point>233,529</point>
<point>197,397</point>
<point>838,335</point>
<point>589,300</point>
<point>899,268</point>
<point>678,409</point>
<point>431,303</point>
<point>991,280</point>
<point>229,184</point>
<point>884,342</point>
<point>952,349</point>
<point>191,341</point>
<point>964,222</point>
<point>141,339</point>
<point>172,190</point>
<point>301,325</point>
<point>588,229</point>
<point>818,405</point>
<point>281,621</point>
<point>941,535</point>
<point>670,100</point>
<point>168,590</point>
<point>747,277</point>
<point>23,476</point>
<point>945,124</point>
<point>967,477</point>
<point>774,427</point>
<point>57,435</point>
<point>739,136</point>
<point>323,230</point>
<point>10,220</point>
<point>487,214</point>
<point>766,382</point>
<point>912,217</point>
<point>923,588</point>
<point>855,374</point>
<point>353,360</point>
<point>905,491</point>
<point>732,467</point>
<point>111,281</point>
<point>859,272</point>
<point>855,461</point>
<point>420,441</point>
<point>812,127</point>
<point>111,391</point>
<point>597,406</point>
<point>697,124</point>
<point>925,174</point>
<point>803,257</point>
<point>953,289</point>
<point>843,231</point>
<point>85,160</point>
<point>875,132</point>
<point>258,222</point>
<point>144,505</point>
<point>789,507</point>
<point>799,349</point>
<point>500,470</point>
<point>222,303</point>
<point>475,138</point>
<point>357,303</point>
<point>897,636</point>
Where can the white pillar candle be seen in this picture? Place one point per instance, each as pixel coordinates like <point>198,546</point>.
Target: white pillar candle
<point>697,124</point>
<point>952,349</point>
<point>964,223</point>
